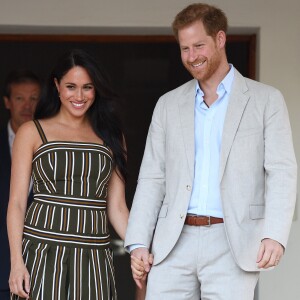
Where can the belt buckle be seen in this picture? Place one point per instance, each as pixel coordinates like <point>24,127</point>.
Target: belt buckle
<point>209,223</point>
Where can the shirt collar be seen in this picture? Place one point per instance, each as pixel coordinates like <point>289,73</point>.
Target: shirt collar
<point>225,84</point>
<point>11,136</point>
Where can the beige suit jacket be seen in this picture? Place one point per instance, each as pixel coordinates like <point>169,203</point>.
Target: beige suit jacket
<point>257,172</point>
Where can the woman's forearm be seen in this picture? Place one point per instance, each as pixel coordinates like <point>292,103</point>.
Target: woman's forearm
<point>119,219</point>
<point>15,225</point>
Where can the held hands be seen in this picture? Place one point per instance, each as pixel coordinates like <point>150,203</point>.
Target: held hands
<point>19,281</point>
<point>269,254</point>
<point>141,262</point>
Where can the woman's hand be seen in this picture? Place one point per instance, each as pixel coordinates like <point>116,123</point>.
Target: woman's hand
<point>139,270</point>
<point>19,280</point>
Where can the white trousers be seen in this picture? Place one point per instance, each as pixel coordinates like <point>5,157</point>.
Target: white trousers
<point>201,266</point>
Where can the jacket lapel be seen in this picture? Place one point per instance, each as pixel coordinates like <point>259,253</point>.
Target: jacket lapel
<point>187,116</point>
<point>238,100</point>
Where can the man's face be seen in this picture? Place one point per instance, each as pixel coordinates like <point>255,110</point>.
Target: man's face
<point>201,54</point>
<point>22,102</point>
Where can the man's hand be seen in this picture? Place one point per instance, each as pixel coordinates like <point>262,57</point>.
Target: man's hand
<point>269,254</point>
<point>141,262</point>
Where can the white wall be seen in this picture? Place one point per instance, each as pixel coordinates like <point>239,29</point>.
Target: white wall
<point>279,64</point>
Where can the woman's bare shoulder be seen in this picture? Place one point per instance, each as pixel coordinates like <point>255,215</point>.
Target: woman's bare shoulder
<point>28,135</point>
<point>27,128</point>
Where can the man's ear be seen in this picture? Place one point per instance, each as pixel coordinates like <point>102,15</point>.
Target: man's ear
<point>6,102</point>
<point>221,39</point>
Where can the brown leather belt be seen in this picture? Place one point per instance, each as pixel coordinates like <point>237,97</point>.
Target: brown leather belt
<point>202,220</point>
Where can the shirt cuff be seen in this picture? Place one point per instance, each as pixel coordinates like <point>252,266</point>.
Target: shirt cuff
<point>130,248</point>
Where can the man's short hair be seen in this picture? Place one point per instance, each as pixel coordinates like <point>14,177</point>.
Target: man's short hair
<point>213,18</point>
<point>19,76</point>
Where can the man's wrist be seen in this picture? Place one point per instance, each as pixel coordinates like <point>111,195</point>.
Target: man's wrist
<point>132,247</point>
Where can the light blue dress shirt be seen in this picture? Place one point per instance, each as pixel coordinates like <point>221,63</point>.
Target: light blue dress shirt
<point>209,122</point>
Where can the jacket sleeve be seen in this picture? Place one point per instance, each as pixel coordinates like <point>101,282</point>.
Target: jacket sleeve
<point>150,191</point>
<point>280,169</point>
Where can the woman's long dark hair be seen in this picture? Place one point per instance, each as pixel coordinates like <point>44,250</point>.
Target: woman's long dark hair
<point>102,113</point>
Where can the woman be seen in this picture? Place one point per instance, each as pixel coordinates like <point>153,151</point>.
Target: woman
<point>75,151</point>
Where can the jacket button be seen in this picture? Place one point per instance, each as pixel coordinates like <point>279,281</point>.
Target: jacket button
<point>181,216</point>
<point>188,187</point>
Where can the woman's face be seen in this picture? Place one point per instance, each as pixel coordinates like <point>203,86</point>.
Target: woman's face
<point>76,91</point>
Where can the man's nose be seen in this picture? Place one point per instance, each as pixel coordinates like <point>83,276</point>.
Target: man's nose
<point>28,103</point>
<point>192,55</point>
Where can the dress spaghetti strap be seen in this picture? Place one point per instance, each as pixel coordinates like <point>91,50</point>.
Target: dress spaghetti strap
<point>41,131</point>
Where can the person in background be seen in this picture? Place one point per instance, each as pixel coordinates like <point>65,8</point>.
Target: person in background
<point>217,185</point>
<point>22,91</point>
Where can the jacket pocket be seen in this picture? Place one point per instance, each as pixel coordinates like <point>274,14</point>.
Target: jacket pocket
<point>163,211</point>
<point>257,211</point>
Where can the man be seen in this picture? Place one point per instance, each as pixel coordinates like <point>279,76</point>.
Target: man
<point>217,185</point>
<point>21,94</point>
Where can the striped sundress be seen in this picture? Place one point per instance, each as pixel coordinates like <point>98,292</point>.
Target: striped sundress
<point>66,242</point>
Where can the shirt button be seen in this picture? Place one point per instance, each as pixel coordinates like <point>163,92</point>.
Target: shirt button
<point>188,187</point>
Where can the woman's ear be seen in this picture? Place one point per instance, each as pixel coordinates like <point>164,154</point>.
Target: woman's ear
<point>56,84</point>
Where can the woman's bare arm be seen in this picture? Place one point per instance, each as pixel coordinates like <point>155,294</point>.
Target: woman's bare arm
<point>20,179</point>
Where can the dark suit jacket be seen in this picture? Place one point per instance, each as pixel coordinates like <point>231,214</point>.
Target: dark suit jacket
<point>5,167</point>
